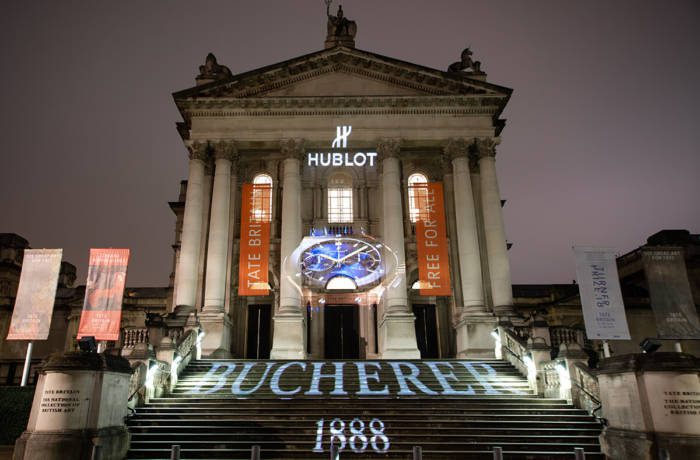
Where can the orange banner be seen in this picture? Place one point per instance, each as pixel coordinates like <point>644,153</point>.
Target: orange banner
<point>256,214</point>
<point>31,316</point>
<point>431,240</point>
<point>102,308</point>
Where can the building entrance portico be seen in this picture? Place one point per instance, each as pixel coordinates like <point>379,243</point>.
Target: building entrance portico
<point>309,181</point>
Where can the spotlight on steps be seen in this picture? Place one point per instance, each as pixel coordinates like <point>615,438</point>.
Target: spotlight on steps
<point>649,345</point>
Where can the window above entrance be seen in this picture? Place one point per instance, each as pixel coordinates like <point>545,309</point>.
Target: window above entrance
<point>416,193</point>
<point>340,199</point>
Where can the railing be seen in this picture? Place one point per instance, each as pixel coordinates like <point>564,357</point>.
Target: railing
<point>515,350</point>
<point>585,390</point>
<point>553,387</point>
<point>132,336</point>
<point>567,335</point>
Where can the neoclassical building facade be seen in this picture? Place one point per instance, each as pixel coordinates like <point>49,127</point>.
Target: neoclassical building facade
<point>336,146</point>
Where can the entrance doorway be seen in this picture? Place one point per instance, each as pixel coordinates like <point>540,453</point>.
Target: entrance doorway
<point>341,332</point>
<point>426,330</point>
<point>258,342</point>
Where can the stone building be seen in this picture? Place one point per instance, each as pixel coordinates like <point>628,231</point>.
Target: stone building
<point>404,125</point>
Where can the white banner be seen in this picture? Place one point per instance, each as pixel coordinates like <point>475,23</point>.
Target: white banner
<point>601,298</point>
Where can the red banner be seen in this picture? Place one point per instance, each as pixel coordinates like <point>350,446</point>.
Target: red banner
<point>256,214</point>
<point>431,240</point>
<point>36,294</point>
<point>102,308</point>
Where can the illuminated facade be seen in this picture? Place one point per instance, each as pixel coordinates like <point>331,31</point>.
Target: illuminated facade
<point>340,146</point>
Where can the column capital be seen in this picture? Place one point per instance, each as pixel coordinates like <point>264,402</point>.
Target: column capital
<point>225,150</point>
<point>293,148</point>
<point>457,147</point>
<point>389,147</point>
<point>198,150</point>
<point>486,147</point>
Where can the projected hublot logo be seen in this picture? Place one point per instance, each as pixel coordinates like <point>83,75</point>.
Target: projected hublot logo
<point>400,378</point>
<point>341,158</point>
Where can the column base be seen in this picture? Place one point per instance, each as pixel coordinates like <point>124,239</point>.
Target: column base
<point>505,313</point>
<point>216,342</point>
<point>398,333</point>
<point>289,337</point>
<point>474,338</point>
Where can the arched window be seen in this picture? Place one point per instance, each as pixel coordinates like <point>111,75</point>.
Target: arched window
<point>262,198</point>
<point>340,199</point>
<point>416,195</point>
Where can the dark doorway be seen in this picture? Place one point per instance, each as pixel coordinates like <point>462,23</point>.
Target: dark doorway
<point>426,330</point>
<point>340,325</point>
<point>258,343</point>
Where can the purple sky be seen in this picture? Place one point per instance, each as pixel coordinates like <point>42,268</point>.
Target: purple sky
<point>602,145</point>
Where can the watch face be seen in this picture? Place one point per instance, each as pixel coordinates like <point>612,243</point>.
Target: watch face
<point>353,258</point>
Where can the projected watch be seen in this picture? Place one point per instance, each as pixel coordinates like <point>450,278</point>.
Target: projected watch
<point>337,261</point>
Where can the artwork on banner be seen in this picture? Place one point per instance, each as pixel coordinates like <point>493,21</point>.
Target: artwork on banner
<point>31,317</point>
<point>256,214</point>
<point>104,291</point>
<point>601,297</point>
<point>669,290</point>
<point>431,239</point>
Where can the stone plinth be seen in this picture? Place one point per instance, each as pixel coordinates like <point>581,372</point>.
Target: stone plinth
<point>80,402</point>
<point>474,338</point>
<point>652,404</point>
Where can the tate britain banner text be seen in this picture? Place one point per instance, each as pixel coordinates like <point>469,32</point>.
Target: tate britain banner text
<point>31,317</point>
<point>256,214</point>
<point>601,298</point>
<point>102,308</point>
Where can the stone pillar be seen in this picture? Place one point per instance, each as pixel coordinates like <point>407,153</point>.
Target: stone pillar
<point>80,402</point>
<point>396,328</point>
<point>191,239</point>
<point>289,336</point>
<point>215,322</point>
<point>473,330</point>
<point>650,402</point>
<point>496,248</point>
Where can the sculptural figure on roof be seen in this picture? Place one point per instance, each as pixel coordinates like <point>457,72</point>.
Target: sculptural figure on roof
<point>213,70</point>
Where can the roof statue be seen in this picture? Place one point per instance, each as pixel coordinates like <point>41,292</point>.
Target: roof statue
<point>341,30</point>
<point>466,64</point>
<point>212,71</point>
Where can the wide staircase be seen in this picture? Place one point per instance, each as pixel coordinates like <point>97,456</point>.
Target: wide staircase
<point>452,409</point>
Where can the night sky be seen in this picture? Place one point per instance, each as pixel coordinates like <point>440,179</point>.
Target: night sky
<point>601,147</point>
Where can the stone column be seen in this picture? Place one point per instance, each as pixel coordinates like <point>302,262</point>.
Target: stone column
<point>215,322</point>
<point>397,329</point>
<point>476,322</point>
<point>190,241</point>
<point>289,336</point>
<point>496,249</point>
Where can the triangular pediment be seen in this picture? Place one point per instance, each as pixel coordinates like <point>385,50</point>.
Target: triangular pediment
<point>344,72</point>
<point>341,82</point>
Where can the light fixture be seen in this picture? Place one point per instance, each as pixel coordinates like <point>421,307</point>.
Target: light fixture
<point>87,344</point>
<point>649,345</point>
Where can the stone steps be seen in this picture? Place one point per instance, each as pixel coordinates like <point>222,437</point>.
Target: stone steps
<point>213,412</point>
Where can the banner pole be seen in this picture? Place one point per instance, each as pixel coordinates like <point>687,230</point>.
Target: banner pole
<point>27,364</point>
<point>606,349</point>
